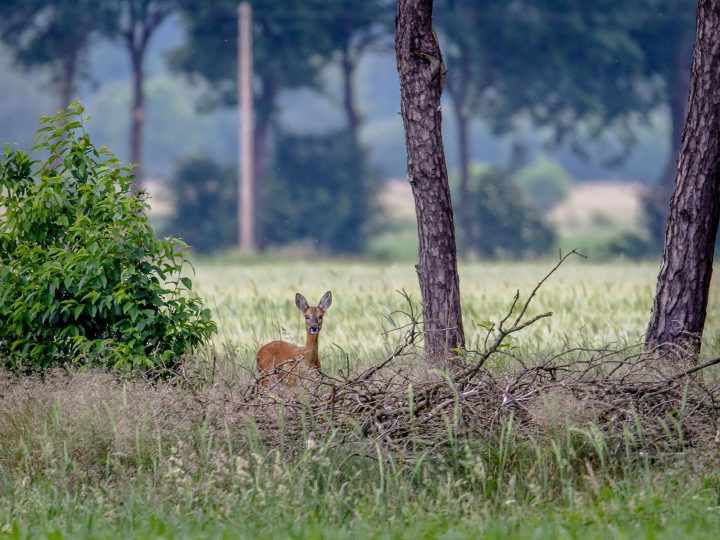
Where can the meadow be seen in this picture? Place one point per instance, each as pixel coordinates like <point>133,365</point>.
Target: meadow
<point>593,304</point>
<point>93,455</point>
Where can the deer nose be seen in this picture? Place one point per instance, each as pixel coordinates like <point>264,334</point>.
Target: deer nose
<point>314,329</point>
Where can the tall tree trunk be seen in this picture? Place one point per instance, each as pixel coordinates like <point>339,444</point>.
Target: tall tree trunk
<point>347,66</point>
<point>678,314</point>
<point>67,78</point>
<point>142,18</point>
<point>462,123</point>
<point>421,70</point>
<point>458,90</point>
<point>265,105</point>
<point>137,116</point>
<point>678,90</point>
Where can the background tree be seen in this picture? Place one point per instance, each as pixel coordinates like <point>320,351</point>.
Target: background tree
<point>544,183</point>
<point>353,27</point>
<point>285,55</point>
<point>421,70</point>
<point>476,50</point>
<point>665,36</point>
<point>316,193</point>
<point>54,34</point>
<point>293,42</point>
<point>205,204</point>
<point>504,224</point>
<point>492,74</point>
<point>139,19</point>
<point>681,298</point>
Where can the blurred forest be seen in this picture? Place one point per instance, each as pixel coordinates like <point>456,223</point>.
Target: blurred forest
<point>545,101</point>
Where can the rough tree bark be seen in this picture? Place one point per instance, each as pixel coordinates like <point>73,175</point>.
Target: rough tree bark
<point>681,297</point>
<point>421,70</point>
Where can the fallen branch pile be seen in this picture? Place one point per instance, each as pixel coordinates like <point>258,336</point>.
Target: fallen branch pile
<point>657,401</point>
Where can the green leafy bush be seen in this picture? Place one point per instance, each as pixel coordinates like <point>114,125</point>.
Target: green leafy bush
<point>544,183</point>
<point>318,192</point>
<point>502,224</point>
<point>83,280</point>
<point>206,208</point>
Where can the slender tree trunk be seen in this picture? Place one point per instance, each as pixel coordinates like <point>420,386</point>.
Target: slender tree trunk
<point>67,79</point>
<point>458,90</point>
<point>678,314</point>
<point>142,17</point>
<point>137,116</point>
<point>421,70</point>
<point>678,90</point>
<point>265,102</point>
<point>462,123</point>
<point>347,66</point>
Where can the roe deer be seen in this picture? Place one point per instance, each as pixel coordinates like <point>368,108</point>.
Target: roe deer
<point>283,357</point>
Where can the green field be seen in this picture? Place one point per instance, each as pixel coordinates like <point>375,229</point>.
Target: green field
<point>88,455</point>
<point>594,305</point>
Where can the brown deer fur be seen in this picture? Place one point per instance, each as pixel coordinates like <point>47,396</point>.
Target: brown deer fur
<point>282,359</point>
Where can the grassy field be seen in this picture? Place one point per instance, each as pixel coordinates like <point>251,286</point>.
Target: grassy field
<point>593,304</point>
<point>86,455</point>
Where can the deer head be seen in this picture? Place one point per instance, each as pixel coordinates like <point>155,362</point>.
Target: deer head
<point>313,315</point>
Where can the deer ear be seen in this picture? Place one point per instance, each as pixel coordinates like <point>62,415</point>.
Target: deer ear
<point>300,302</point>
<point>325,301</point>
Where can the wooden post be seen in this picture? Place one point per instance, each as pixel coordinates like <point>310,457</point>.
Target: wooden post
<point>246,191</point>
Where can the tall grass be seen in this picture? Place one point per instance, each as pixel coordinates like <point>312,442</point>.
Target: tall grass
<point>594,305</point>
<point>89,455</point>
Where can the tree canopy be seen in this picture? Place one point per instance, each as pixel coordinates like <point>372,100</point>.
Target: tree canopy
<point>54,34</point>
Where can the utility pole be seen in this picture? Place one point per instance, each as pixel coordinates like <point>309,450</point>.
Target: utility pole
<point>246,191</point>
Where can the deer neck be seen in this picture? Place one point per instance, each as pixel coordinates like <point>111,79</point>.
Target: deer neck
<point>311,350</point>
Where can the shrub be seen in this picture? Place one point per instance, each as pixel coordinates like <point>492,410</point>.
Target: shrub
<point>206,205</point>
<point>633,246</point>
<point>317,192</point>
<point>83,280</point>
<point>544,183</point>
<point>502,223</point>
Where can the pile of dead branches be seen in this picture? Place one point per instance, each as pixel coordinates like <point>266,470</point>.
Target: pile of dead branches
<point>658,401</point>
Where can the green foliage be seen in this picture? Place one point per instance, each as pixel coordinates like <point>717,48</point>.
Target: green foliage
<point>285,48</point>
<point>83,280</point>
<point>634,246</point>
<point>491,74</point>
<point>394,242</point>
<point>544,183</point>
<point>86,457</point>
<point>502,224</point>
<point>206,205</point>
<point>54,34</point>
<point>319,193</point>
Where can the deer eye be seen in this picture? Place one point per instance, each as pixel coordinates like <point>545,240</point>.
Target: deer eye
<point>320,317</point>
<point>307,317</point>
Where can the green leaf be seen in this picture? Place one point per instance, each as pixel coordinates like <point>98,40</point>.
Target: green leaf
<point>79,242</point>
